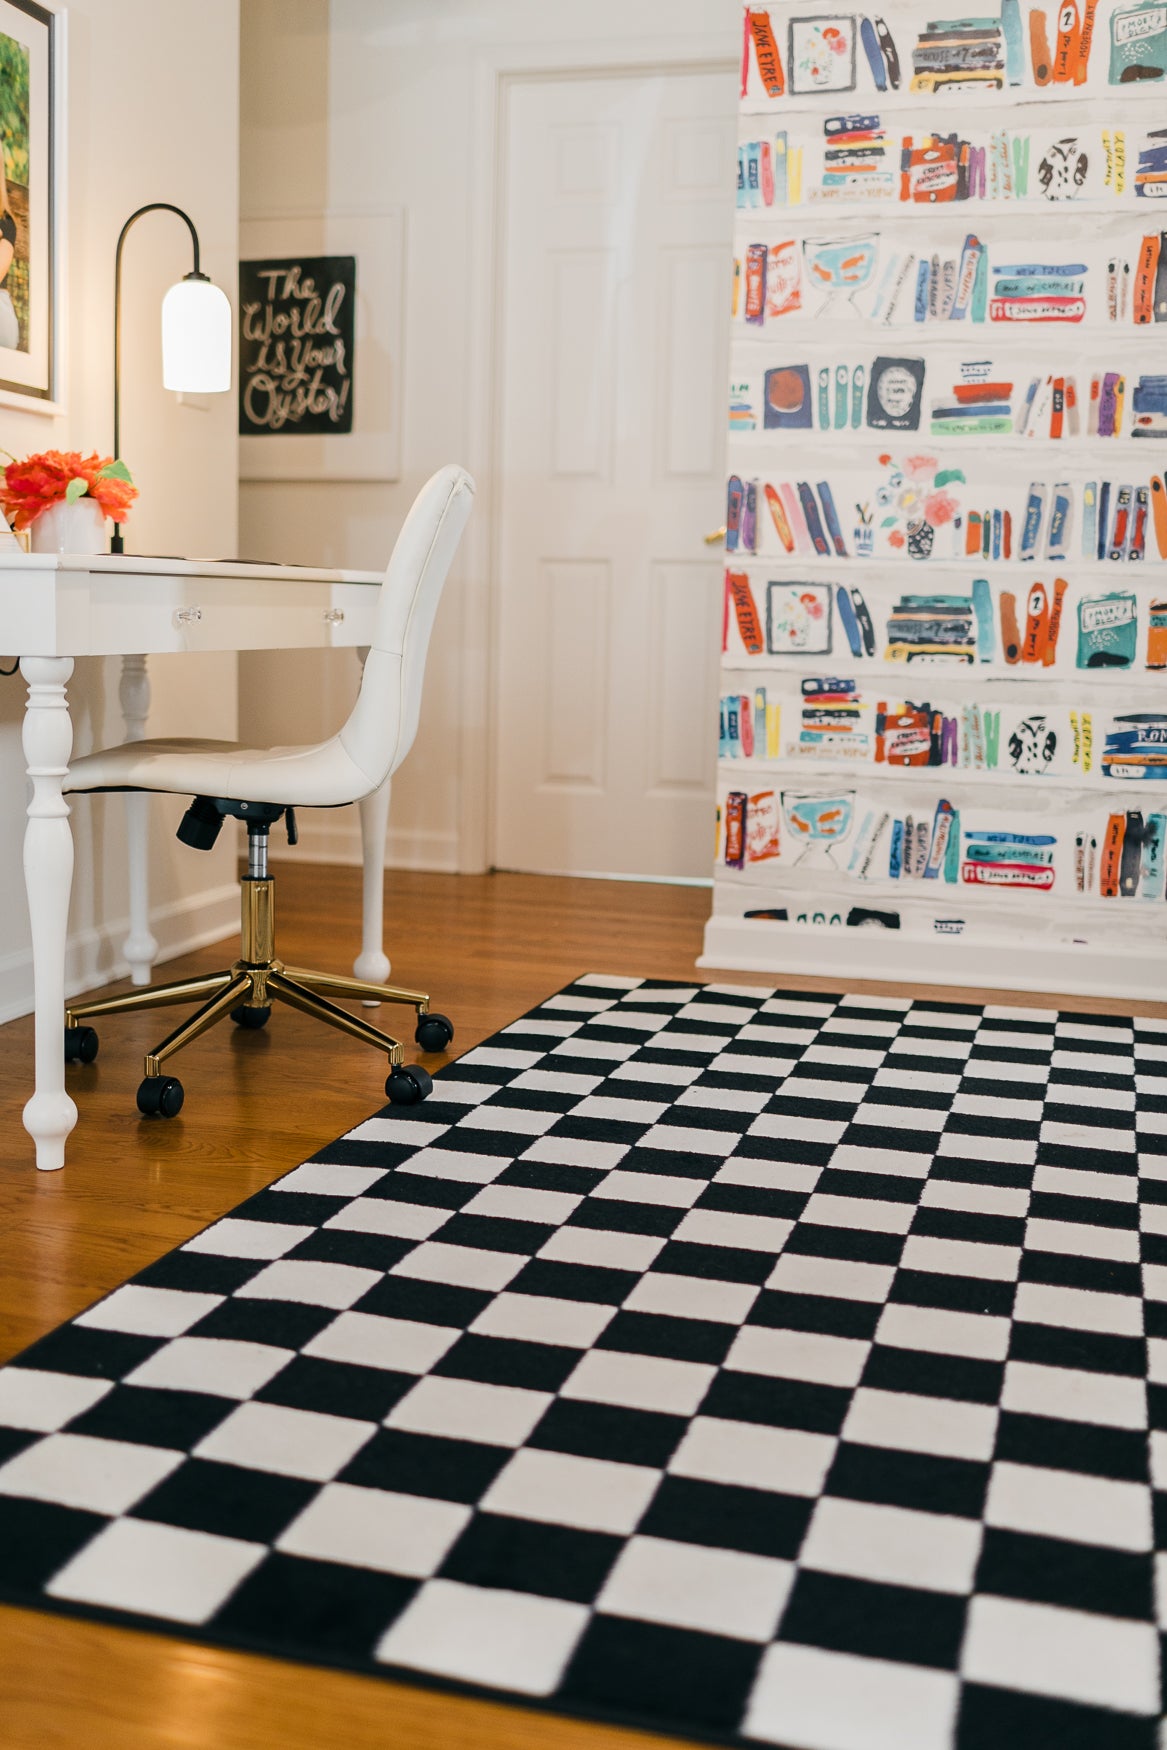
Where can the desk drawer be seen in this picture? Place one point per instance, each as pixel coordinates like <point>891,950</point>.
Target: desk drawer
<point>153,614</point>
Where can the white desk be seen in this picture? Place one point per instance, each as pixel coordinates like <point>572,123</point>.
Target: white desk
<point>53,609</point>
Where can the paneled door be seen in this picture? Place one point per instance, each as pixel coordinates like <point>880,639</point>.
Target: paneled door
<point>614,290</point>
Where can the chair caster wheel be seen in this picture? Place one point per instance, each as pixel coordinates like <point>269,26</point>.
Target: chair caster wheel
<point>160,1097</point>
<point>250,1019</point>
<point>407,1084</point>
<point>433,1032</point>
<point>80,1044</point>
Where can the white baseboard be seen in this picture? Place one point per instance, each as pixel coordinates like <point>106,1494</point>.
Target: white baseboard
<point>93,956</point>
<point>334,836</point>
<point>1063,969</point>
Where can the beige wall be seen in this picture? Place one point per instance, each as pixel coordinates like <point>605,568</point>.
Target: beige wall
<point>365,104</point>
<point>152,114</point>
<point>299,59</point>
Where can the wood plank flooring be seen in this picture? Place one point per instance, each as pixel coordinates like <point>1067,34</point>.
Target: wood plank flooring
<point>487,948</point>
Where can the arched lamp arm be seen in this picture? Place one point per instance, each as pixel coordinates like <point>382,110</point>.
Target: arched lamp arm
<point>116,544</point>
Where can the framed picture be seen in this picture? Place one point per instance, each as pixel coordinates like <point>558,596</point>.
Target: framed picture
<point>822,53</point>
<point>31,68</point>
<point>297,345</point>
<point>787,405</point>
<point>894,394</point>
<point>798,618</point>
<point>321,308</point>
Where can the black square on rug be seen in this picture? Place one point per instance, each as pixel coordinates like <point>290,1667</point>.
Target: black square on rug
<point>763,1368</point>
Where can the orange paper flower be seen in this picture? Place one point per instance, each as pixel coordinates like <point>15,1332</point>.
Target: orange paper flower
<point>38,482</point>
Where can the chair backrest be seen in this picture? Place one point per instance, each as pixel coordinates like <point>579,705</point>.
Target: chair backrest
<point>380,730</point>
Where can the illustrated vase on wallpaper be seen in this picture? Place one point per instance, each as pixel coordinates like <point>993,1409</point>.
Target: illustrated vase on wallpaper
<point>70,528</point>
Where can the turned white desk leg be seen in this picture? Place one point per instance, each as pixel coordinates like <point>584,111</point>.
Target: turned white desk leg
<point>139,947</point>
<point>48,873</point>
<point>371,963</point>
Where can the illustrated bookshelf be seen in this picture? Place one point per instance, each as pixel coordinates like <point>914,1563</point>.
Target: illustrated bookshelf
<point>943,717</point>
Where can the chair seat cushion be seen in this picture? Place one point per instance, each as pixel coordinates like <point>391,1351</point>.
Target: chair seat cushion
<point>322,776</point>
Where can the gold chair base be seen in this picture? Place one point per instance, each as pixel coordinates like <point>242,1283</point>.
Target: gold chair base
<point>255,980</point>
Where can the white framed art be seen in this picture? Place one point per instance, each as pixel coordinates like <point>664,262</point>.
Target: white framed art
<point>321,318</point>
<point>32,111</point>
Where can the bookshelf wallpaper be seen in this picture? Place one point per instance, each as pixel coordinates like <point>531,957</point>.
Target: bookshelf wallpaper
<point>943,717</point>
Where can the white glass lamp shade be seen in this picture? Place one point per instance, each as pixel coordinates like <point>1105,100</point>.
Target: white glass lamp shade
<point>196,338</point>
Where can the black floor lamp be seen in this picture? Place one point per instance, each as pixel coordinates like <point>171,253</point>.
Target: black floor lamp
<point>196,334</point>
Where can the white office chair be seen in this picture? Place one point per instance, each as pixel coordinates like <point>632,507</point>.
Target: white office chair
<point>258,785</point>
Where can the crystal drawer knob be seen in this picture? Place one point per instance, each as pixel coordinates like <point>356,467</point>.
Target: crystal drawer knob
<point>187,616</point>
<point>333,616</point>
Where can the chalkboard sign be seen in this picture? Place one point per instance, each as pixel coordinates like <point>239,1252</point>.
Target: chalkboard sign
<point>296,345</point>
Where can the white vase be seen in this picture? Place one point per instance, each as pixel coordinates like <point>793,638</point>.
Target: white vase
<point>69,528</point>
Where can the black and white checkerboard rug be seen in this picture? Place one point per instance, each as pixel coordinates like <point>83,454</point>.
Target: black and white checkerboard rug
<point>741,1365</point>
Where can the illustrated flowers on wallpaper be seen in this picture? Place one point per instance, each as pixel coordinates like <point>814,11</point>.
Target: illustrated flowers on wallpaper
<point>913,498</point>
<point>63,476</point>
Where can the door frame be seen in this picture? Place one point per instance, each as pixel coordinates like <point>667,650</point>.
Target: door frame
<point>496,78</point>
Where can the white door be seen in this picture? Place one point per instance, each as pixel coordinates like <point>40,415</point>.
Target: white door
<point>615,293</point>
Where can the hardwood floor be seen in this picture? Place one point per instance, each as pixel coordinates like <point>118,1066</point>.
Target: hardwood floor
<point>487,948</point>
